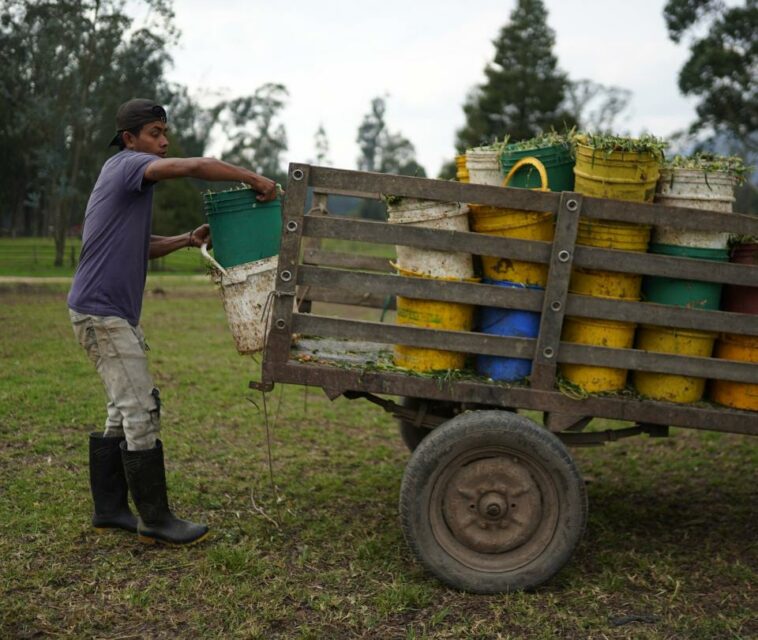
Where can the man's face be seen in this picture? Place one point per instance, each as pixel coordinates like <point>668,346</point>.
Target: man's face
<point>151,139</point>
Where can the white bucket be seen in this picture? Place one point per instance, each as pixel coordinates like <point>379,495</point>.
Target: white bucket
<point>452,216</point>
<point>484,167</point>
<point>245,290</point>
<point>695,189</point>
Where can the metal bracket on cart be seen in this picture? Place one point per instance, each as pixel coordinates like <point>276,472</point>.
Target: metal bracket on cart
<point>420,417</point>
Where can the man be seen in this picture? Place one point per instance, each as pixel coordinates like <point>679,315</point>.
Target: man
<point>105,302</point>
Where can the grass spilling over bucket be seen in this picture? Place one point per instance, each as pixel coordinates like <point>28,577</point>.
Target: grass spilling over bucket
<point>618,168</point>
<point>556,158</point>
<point>738,395</point>
<point>431,314</point>
<point>673,388</point>
<point>243,229</point>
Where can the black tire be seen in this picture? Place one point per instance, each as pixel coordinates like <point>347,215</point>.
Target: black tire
<point>464,486</point>
<point>413,435</point>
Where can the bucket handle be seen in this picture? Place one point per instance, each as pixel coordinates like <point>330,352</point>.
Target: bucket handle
<point>211,259</point>
<point>529,162</point>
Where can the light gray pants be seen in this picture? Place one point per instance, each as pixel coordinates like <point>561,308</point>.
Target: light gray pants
<point>117,349</point>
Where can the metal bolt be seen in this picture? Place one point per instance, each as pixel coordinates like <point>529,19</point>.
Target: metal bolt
<point>556,305</point>
<point>286,276</point>
<point>280,323</point>
<point>548,352</point>
<point>292,226</point>
<point>564,256</point>
<point>572,205</point>
<point>493,510</point>
<point>297,174</point>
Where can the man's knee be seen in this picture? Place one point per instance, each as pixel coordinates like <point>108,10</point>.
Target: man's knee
<point>142,432</point>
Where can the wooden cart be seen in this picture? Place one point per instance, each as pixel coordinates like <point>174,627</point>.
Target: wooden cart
<point>491,500</point>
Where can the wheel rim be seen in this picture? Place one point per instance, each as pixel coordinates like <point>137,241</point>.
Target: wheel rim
<point>494,509</point>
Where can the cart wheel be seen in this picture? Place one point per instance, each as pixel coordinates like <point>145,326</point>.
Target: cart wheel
<point>491,502</point>
<point>413,435</point>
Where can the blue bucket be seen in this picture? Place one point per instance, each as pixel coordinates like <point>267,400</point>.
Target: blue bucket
<point>513,323</point>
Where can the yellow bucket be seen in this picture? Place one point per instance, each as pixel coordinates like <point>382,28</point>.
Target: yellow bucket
<point>738,395</point>
<point>431,314</point>
<point>609,235</point>
<point>513,223</point>
<point>461,171</point>
<point>602,333</point>
<point>613,235</point>
<point>619,175</point>
<point>669,387</point>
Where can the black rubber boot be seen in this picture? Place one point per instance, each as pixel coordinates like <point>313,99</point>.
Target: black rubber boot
<point>108,484</point>
<point>146,477</point>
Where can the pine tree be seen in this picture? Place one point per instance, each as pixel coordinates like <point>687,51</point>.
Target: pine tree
<point>525,90</point>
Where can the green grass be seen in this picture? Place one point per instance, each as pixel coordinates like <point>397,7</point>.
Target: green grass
<point>670,549</point>
<point>34,257</point>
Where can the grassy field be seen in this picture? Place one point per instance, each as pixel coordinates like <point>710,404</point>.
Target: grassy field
<point>670,550</point>
<point>24,257</point>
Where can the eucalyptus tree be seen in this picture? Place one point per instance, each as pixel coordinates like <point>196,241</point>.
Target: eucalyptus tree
<point>254,130</point>
<point>75,62</point>
<point>723,65</point>
<point>383,151</point>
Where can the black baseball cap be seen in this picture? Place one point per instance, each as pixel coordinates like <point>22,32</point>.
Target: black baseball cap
<point>135,113</point>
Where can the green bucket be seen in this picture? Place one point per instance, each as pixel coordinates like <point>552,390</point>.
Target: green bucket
<point>556,159</point>
<point>693,294</point>
<point>243,229</point>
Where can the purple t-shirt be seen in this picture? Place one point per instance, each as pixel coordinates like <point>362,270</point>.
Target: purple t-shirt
<point>110,279</point>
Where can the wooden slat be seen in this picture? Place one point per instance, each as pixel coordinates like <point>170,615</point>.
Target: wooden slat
<point>337,381</point>
<point>346,260</point>
<point>357,183</point>
<point>528,300</point>
<point>531,250</point>
<point>469,342</point>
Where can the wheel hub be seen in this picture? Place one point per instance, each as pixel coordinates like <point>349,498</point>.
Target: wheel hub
<point>492,505</point>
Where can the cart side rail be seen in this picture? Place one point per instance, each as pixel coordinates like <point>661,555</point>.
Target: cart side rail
<point>546,350</point>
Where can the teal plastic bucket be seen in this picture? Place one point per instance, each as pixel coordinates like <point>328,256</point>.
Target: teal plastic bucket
<point>556,159</point>
<point>243,229</point>
<point>693,294</point>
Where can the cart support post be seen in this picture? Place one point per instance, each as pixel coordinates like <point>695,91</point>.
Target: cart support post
<point>280,331</point>
<point>556,292</point>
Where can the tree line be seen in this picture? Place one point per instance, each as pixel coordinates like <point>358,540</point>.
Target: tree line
<point>68,64</point>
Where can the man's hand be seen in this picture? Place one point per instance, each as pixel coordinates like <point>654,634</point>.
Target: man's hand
<point>266,188</point>
<point>200,236</point>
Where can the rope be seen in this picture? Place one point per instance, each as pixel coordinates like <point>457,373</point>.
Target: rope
<point>268,445</point>
<point>267,311</point>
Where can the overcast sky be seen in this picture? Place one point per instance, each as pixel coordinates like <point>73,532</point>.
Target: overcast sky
<point>334,56</point>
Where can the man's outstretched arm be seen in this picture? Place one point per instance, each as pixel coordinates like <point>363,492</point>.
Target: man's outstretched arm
<point>163,245</point>
<point>212,170</point>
